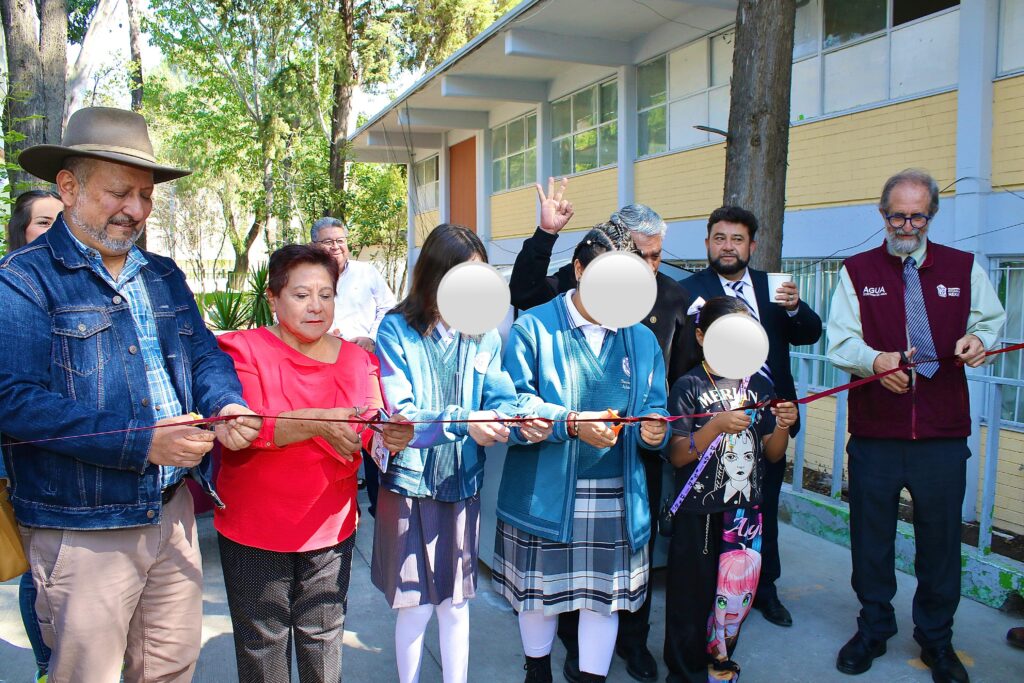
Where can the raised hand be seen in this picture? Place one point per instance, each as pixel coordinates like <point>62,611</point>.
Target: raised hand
<point>555,210</point>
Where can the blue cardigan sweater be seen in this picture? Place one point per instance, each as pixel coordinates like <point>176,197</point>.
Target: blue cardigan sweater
<point>538,485</point>
<point>408,380</point>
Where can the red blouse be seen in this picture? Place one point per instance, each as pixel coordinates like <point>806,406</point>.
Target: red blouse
<point>301,496</point>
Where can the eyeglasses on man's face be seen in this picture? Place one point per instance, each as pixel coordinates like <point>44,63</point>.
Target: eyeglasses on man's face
<point>899,220</point>
<point>333,244</point>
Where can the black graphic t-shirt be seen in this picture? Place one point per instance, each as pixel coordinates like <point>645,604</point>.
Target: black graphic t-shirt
<point>733,476</point>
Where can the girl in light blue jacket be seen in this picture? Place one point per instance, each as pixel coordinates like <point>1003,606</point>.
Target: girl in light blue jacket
<point>425,546</point>
<point>574,520</point>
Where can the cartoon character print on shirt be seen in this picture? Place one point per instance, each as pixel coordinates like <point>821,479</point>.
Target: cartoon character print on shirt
<point>736,476</point>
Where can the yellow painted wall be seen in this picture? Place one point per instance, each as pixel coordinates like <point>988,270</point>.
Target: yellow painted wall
<point>425,222</point>
<point>683,185</point>
<point>1009,508</point>
<point>1008,133</point>
<point>843,160</point>
<point>514,214</point>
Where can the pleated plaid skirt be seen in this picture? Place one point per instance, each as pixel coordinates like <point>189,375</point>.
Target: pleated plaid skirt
<point>596,571</point>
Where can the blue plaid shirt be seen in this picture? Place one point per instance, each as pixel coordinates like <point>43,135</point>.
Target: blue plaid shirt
<point>161,391</point>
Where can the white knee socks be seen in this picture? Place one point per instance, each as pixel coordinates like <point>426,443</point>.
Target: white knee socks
<point>453,626</point>
<point>597,641</point>
<point>453,629</point>
<point>538,632</point>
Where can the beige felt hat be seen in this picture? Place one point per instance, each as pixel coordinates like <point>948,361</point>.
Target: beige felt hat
<point>105,133</point>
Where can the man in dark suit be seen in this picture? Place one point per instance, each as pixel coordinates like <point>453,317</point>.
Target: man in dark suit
<point>531,286</point>
<point>787,320</point>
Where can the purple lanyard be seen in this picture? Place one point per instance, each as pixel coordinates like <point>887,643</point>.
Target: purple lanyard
<point>707,454</point>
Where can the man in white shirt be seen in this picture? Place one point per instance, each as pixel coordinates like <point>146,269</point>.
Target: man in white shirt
<point>363,296</point>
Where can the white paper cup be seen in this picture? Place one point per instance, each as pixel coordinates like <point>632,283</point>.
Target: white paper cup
<point>776,280</point>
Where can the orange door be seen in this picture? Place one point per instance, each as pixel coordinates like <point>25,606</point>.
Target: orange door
<point>462,183</point>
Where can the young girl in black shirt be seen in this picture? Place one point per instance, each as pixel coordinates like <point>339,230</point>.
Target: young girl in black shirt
<point>714,554</point>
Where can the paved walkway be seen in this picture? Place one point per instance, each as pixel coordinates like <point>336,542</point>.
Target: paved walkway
<point>815,587</point>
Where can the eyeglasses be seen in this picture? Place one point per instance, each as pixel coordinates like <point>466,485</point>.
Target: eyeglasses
<point>333,244</point>
<point>916,220</point>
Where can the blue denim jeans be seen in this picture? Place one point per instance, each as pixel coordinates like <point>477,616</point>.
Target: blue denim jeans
<point>27,598</point>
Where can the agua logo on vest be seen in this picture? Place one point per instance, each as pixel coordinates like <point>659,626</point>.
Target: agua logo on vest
<point>873,291</point>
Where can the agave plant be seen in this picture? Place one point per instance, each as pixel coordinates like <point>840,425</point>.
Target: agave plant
<point>227,310</point>
<point>259,306</point>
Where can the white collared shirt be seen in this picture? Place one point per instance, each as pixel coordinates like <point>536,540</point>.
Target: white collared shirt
<point>447,334</point>
<point>362,300</point>
<point>748,290</point>
<point>593,332</point>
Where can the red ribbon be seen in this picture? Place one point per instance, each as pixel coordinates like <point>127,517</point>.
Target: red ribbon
<point>373,422</point>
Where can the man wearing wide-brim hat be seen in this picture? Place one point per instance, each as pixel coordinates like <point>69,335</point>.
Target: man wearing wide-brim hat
<point>104,342</point>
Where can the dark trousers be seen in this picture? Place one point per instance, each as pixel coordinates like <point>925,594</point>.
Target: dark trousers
<point>934,471</point>
<point>280,598</point>
<point>690,594</point>
<point>371,475</point>
<point>771,565</point>
<point>633,626</point>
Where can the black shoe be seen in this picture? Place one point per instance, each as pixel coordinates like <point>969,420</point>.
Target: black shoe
<point>640,663</point>
<point>571,668</point>
<point>538,669</point>
<point>857,655</point>
<point>945,665</point>
<point>586,677</point>
<point>774,611</point>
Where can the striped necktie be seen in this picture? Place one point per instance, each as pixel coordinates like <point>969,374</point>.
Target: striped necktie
<point>919,331</point>
<point>737,287</point>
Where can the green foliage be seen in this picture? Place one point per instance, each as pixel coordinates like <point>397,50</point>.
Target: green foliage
<point>80,13</point>
<point>259,306</point>
<point>227,311</point>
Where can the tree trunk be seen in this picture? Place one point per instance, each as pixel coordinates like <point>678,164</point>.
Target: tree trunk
<point>135,47</point>
<point>758,143</point>
<point>344,85</point>
<point>36,78</point>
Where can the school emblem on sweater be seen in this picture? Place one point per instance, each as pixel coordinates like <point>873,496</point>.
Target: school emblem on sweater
<point>481,362</point>
<point>625,366</point>
<point>945,291</point>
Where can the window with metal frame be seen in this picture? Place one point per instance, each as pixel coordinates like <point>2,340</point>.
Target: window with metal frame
<point>854,53</point>
<point>585,129</point>
<point>687,87</point>
<point>427,184</point>
<point>514,153</point>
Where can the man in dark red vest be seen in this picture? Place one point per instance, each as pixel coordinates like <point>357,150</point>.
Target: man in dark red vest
<point>909,299</point>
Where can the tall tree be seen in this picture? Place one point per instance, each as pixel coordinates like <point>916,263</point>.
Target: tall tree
<point>758,142</point>
<point>135,48</point>
<point>36,34</point>
<point>368,39</point>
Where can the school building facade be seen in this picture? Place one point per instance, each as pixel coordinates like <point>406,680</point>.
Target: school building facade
<point>609,93</point>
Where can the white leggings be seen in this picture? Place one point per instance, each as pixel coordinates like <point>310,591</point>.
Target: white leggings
<point>453,627</point>
<point>596,637</point>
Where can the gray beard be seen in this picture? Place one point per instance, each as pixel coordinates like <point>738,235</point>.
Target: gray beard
<point>903,247</point>
<point>100,234</point>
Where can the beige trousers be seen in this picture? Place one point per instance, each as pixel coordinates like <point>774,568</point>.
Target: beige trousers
<point>121,596</point>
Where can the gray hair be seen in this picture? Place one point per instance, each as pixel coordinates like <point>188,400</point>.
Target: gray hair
<point>326,222</point>
<point>639,218</point>
<point>80,167</point>
<point>917,177</point>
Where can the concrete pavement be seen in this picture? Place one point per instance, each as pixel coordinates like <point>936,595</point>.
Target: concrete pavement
<point>815,586</point>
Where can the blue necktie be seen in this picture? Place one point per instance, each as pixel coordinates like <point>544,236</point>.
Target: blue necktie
<point>919,331</point>
<point>737,287</point>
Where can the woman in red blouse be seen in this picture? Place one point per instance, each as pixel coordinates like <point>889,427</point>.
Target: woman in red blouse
<point>286,532</point>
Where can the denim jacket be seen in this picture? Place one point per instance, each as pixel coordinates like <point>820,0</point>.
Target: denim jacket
<point>70,364</point>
